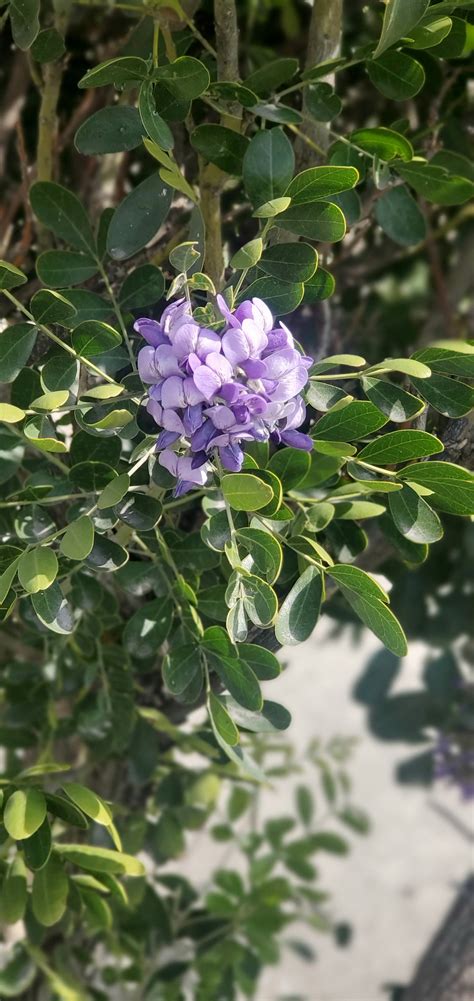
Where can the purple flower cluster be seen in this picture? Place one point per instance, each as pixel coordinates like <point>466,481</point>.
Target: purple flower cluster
<point>215,390</point>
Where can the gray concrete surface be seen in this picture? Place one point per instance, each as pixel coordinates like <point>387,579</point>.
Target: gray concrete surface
<point>398,883</point>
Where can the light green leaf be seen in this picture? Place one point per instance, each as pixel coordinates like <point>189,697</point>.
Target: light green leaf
<point>247,256</point>
<point>37,569</point>
<point>413,517</point>
<point>89,802</point>
<point>451,486</point>
<point>11,414</point>
<point>299,612</point>
<point>50,892</point>
<point>114,491</point>
<point>400,446</point>
<point>24,812</point>
<point>14,895</point>
<point>78,538</point>
<point>319,183</point>
<point>95,859</point>
<point>382,142</point>
<point>245,492</point>
<point>222,720</point>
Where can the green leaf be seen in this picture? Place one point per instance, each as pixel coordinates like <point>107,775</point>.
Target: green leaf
<point>142,287</point>
<point>51,307</point>
<point>248,255</point>
<point>413,516</point>
<point>11,276</point>
<point>263,663</point>
<point>114,129</point>
<point>53,610</point>
<point>89,803</point>
<point>95,859</point>
<point>400,446</point>
<point>16,345</point>
<point>320,221</point>
<point>50,892</point>
<point>153,124</point>
<point>37,569</point>
<point>265,551</point>
<point>221,146</point>
<point>125,69</point>
<point>358,510</point>
<point>280,297</point>
<point>458,44</point>
<point>61,807</point>
<point>399,18</point>
<point>319,183</point>
<point>230,91</point>
<point>62,212</point>
<point>48,46</point>
<point>37,848</point>
<point>240,681</point>
<point>245,492</point>
<point>299,612</point>
<point>140,511</point>
<point>447,358</point>
<point>320,286</point>
<point>268,166</point>
<point>267,78</point>
<point>452,487</point>
<point>259,599</point>
<point>295,262</point>
<point>24,19</point>
<point>363,594</point>
<point>272,208</point>
<point>431,30</point>
<point>78,538</point>
<point>396,75</point>
<point>17,972</point>
<point>186,77</point>
<point>356,420</point>
<point>271,718</point>
<point>106,556</point>
<point>113,491</point>
<point>291,465</point>
<point>449,396</point>
<point>184,257</point>
<point>321,102</point>
<point>148,628</point>
<point>222,720</point>
<point>42,432</point>
<point>436,184</point>
<point>400,217</point>
<point>59,268</point>
<point>14,895</point>
<point>320,515</point>
<point>24,813</point>
<point>382,142</point>
<point>453,162</point>
<point>181,667</point>
<point>280,113</point>
<point>138,218</point>
<point>7,578</point>
<point>398,405</point>
<point>93,337</point>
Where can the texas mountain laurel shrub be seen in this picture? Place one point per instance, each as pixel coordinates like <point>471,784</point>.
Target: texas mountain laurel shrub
<point>191,452</point>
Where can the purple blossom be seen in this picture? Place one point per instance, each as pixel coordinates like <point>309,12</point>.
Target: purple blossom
<point>211,392</point>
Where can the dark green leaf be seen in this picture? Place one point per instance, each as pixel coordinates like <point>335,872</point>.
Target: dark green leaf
<point>48,46</point>
<point>106,556</point>
<point>295,262</point>
<point>291,465</point>
<point>321,102</point>
<point>268,166</point>
<point>181,667</point>
<point>14,895</point>
<point>396,75</point>
<point>319,287</point>
<point>50,892</point>
<point>37,848</point>
<point>11,276</point>
<point>355,420</point>
<point>413,516</point>
<point>400,446</point>
<point>271,718</point>
<point>319,183</point>
<point>59,268</point>
<point>222,720</point>
<point>322,221</point>
<point>436,184</point>
<point>54,610</point>
<point>148,628</point>
<point>142,287</point>
<point>240,681</point>
<point>51,307</point>
<point>186,77</point>
<point>111,130</point>
<point>125,69</point>
<point>152,122</point>
<point>368,602</point>
<point>16,345</point>
<point>280,297</point>
<point>452,487</point>
<point>93,337</point>
<point>221,146</point>
<point>62,212</point>
<point>449,396</point>
<point>263,663</point>
<point>138,218</point>
<point>299,612</point>
<point>400,217</point>
<point>394,402</point>
<point>268,78</point>
<point>24,19</point>
<point>399,18</point>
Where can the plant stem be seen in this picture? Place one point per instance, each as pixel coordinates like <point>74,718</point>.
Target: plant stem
<point>118,313</point>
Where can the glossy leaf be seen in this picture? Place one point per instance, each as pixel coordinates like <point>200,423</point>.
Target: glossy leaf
<point>124,69</point>
<point>413,517</point>
<point>299,612</point>
<point>317,220</point>
<point>319,183</point>
<point>16,345</point>
<point>268,166</point>
<point>284,259</point>
<point>348,423</point>
<point>245,492</point>
<point>53,609</point>
<point>452,487</point>
<point>396,75</point>
<point>400,446</point>
<point>399,18</point>
<point>138,218</point>
<point>24,812</point>
<point>37,569</point>
<point>155,126</point>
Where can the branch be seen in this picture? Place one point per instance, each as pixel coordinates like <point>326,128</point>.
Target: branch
<point>324,42</point>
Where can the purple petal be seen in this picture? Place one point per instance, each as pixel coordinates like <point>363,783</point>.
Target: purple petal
<point>146,365</point>
<point>169,460</point>
<point>172,393</point>
<point>164,439</point>
<point>221,416</point>
<point>235,346</point>
<point>201,438</point>
<point>231,457</point>
<point>151,330</point>
<point>297,440</point>
<point>192,418</point>
<point>207,381</point>
<point>254,368</point>
<point>172,422</point>
<point>185,338</point>
<point>166,361</point>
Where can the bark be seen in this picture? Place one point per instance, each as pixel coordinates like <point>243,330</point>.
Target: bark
<point>324,42</point>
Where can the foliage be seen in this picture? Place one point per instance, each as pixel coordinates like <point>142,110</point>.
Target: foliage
<point>126,607</point>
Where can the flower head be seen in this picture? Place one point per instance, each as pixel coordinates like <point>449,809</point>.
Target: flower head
<point>210,392</point>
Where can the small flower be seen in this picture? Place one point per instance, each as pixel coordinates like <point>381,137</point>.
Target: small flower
<point>212,392</point>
